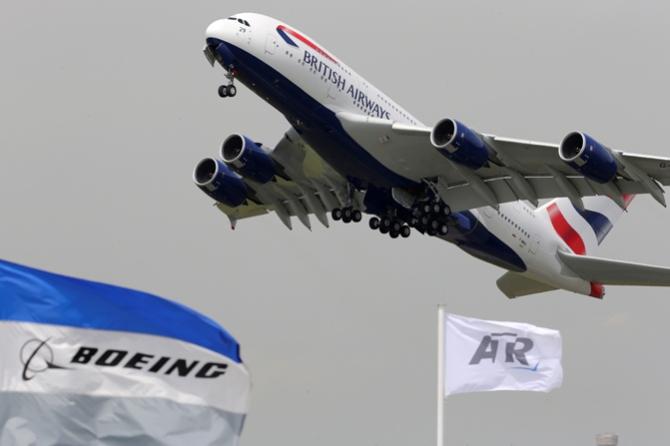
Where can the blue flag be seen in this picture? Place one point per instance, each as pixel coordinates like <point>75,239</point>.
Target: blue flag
<point>89,363</point>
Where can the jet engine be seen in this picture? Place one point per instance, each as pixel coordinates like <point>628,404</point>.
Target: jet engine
<point>216,179</point>
<point>588,157</point>
<point>460,144</point>
<point>248,158</point>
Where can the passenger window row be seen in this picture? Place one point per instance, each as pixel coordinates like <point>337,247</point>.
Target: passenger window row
<point>510,221</point>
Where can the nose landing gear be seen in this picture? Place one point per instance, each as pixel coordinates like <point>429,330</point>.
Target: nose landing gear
<point>229,90</point>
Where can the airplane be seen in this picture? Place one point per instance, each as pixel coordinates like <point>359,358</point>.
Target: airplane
<point>351,149</point>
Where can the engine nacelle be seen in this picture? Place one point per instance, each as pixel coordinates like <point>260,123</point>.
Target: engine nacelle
<point>588,157</point>
<point>248,158</point>
<point>460,144</point>
<point>216,179</point>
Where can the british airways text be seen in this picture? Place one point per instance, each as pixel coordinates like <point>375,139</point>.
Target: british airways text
<point>362,100</point>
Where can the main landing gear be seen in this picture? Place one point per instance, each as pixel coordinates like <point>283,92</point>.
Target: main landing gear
<point>431,217</point>
<point>229,90</point>
<point>393,227</point>
<point>347,215</point>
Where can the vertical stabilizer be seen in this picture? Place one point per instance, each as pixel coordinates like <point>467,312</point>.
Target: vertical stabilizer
<point>584,229</point>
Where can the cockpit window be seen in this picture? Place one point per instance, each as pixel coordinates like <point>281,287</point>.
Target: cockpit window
<point>242,21</point>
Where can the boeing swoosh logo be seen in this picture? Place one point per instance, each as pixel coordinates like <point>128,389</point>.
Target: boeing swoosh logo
<point>530,369</point>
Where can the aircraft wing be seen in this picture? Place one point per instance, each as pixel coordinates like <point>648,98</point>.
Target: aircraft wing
<point>519,169</point>
<point>307,187</point>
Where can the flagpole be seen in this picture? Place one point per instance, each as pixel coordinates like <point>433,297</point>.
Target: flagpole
<point>440,375</point>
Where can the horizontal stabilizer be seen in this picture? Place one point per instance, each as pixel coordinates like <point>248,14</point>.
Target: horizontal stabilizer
<point>515,285</point>
<point>616,272</point>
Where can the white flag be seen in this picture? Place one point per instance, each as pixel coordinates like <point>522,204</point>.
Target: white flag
<point>488,355</point>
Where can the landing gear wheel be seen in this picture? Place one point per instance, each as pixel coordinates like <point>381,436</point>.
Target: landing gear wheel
<point>386,223</point>
<point>394,233</point>
<point>374,223</point>
<point>336,214</point>
<point>396,226</point>
<point>431,231</point>
<point>443,229</point>
<point>426,208</point>
<point>346,213</point>
<point>223,91</point>
<point>346,219</point>
<point>384,229</point>
<point>405,231</point>
<point>356,216</point>
<point>232,90</point>
<point>446,210</point>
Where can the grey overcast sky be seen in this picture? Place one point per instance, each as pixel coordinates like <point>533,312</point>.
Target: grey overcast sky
<point>107,106</point>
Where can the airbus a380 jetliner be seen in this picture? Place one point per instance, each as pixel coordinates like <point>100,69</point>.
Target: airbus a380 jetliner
<point>351,149</point>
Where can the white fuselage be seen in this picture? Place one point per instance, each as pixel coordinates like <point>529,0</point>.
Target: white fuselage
<point>303,63</point>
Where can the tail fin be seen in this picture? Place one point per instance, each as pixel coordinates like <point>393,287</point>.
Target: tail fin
<point>584,229</point>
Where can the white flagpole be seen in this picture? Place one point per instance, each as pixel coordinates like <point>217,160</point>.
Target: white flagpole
<point>440,375</point>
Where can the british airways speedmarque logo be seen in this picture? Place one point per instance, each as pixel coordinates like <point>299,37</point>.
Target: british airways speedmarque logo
<point>323,67</point>
<point>286,33</point>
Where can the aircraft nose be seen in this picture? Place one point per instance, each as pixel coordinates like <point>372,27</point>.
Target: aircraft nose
<point>219,34</point>
<point>218,29</point>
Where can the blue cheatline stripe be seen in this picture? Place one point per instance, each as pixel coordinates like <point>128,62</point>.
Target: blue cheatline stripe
<point>31,295</point>
<point>600,224</point>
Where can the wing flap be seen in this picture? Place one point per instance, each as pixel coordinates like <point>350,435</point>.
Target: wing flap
<point>460,196</point>
<point>616,272</point>
<point>307,186</point>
